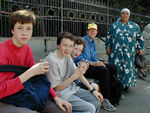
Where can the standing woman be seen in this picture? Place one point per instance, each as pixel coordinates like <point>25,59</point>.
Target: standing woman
<point>124,40</point>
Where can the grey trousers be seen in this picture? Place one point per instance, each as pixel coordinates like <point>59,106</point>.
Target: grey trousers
<point>84,102</point>
<point>51,107</point>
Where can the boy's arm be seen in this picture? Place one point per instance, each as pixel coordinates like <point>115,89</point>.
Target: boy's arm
<point>93,91</point>
<point>10,86</point>
<point>65,83</point>
<point>63,103</point>
<point>78,73</point>
<point>52,92</point>
<point>37,69</point>
<point>86,83</point>
<point>60,102</point>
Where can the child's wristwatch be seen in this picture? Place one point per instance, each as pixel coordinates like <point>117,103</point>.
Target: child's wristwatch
<point>92,90</point>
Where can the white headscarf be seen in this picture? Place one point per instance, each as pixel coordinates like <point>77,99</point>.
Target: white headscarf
<point>125,10</point>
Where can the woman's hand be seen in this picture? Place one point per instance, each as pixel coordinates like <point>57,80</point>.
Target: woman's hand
<point>140,52</point>
<point>62,103</point>
<point>108,51</point>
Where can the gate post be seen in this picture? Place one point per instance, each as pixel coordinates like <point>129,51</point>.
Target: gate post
<point>61,16</point>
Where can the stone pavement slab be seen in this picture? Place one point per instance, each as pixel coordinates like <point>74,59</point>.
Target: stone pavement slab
<point>136,101</point>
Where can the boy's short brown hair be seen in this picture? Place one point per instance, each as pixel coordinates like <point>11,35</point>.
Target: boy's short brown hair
<point>79,41</point>
<point>67,35</point>
<point>22,16</point>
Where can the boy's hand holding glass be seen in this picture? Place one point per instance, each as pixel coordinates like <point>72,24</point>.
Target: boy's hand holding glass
<point>39,68</point>
<point>83,63</point>
<point>82,67</point>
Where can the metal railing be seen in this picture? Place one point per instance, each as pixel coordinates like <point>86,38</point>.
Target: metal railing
<point>54,16</point>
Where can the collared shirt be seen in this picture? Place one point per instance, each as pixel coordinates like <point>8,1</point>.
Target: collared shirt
<point>89,52</point>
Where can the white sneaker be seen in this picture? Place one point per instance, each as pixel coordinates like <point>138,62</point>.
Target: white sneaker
<point>108,106</point>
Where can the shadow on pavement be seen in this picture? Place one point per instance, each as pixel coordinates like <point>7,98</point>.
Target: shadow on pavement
<point>137,100</point>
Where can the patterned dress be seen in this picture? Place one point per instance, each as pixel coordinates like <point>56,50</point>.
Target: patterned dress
<point>124,40</point>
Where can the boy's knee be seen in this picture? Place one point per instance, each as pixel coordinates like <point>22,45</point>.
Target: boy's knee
<point>91,108</point>
<point>97,104</point>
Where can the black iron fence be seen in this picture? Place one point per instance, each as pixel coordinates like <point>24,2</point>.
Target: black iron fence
<point>54,16</point>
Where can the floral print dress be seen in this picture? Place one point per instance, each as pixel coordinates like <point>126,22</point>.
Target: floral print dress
<point>124,40</point>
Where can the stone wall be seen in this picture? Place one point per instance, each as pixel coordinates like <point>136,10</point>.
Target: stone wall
<point>42,46</point>
<point>38,46</point>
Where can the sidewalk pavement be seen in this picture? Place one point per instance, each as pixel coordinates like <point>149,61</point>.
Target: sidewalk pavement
<point>136,101</point>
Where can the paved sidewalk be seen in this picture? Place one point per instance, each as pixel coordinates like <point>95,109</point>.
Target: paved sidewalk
<point>136,101</point>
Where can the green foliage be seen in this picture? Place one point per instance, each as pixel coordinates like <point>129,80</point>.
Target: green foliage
<point>142,6</point>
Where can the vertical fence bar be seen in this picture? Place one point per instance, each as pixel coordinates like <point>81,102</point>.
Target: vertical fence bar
<point>54,16</point>
<point>61,16</point>
<point>107,15</point>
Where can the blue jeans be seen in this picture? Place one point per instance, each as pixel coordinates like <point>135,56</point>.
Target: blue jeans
<point>84,102</point>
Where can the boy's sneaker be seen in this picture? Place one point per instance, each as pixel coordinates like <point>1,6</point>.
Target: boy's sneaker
<point>108,106</point>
